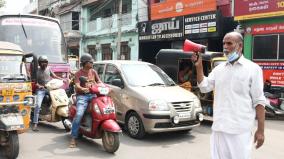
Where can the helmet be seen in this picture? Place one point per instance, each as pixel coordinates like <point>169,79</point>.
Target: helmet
<point>86,58</point>
<point>42,58</point>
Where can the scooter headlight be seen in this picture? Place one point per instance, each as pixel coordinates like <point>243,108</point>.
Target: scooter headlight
<point>97,109</point>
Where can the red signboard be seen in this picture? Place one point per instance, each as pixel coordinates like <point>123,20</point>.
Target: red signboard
<point>174,8</point>
<point>268,28</point>
<point>273,71</point>
<point>251,9</point>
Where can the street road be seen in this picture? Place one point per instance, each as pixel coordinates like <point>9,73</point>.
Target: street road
<point>52,142</point>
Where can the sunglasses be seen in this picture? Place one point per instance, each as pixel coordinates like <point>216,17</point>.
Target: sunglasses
<point>91,62</point>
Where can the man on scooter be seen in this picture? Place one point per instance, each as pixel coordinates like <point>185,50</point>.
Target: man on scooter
<point>82,93</point>
<point>44,75</point>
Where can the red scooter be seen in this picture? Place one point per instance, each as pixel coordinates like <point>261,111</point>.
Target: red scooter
<point>99,120</point>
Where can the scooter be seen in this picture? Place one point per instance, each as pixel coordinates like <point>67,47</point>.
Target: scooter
<point>54,107</point>
<point>274,105</point>
<point>99,120</point>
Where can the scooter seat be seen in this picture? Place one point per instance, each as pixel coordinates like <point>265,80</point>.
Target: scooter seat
<point>271,96</point>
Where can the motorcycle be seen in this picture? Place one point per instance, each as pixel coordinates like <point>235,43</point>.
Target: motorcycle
<point>99,120</point>
<point>274,106</point>
<point>54,107</point>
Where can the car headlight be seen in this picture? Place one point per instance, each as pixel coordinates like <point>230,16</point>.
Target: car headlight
<point>196,102</point>
<point>29,101</point>
<point>158,105</point>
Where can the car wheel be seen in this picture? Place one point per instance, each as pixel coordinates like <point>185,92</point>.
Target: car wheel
<point>134,126</point>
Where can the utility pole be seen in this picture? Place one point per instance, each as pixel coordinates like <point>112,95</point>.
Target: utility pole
<point>119,20</point>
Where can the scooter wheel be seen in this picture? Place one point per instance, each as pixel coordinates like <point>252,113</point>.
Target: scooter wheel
<point>110,141</point>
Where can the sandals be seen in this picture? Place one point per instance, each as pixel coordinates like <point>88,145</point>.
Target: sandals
<point>35,128</point>
<point>73,144</point>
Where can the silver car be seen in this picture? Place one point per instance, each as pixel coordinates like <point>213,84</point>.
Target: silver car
<point>147,100</point>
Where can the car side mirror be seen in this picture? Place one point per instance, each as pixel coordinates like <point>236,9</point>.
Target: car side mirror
<point>117,82</point>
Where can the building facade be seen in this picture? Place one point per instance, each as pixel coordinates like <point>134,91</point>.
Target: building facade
<point>101,28</point>
<point>263,24</point>
<point>173,21</point>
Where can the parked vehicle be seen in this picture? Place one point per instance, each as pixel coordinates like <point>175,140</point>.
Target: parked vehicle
<point>99,120</point>
<point>54,107</point>
<point>16,98</point>
<point>147,100</point>
<point>274,100</point>
<point>170,61</point>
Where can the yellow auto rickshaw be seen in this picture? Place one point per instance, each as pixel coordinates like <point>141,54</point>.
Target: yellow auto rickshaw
<point>16,98</point>
<point>173,61</point>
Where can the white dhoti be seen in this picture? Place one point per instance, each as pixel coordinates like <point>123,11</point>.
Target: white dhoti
<point>231,146</point>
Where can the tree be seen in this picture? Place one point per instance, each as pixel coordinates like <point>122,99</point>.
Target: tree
<point>2,3</point>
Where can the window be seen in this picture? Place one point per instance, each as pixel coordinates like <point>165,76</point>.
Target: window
<point>125,51</point>
<point>100,70</point>
<point>265,47</point>
<point>111,74</point>
<point>106,52</point>
<point>75,20</point>
<point>107,13</point>
<point>93,51</point>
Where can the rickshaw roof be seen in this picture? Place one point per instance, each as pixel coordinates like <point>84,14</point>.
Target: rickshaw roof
<point>10,47</point>
<point>170,55</point>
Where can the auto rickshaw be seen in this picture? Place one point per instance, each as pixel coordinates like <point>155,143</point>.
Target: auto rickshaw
<point>172,60</point>
<point>16,98</point>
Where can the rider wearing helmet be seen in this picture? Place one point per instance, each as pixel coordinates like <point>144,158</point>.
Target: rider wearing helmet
<point>44,74</point>
<point>82,92</point>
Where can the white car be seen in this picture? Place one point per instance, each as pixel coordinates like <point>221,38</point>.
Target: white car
<point>147,100</point>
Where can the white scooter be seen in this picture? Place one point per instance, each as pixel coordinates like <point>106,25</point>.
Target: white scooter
<point>54,107</point>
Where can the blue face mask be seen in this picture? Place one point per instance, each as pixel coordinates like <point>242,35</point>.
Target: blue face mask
<point>232,56</point>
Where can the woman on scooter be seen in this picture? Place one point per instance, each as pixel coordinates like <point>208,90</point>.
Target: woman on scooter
<point>44,75</point>
<point>82,93</point>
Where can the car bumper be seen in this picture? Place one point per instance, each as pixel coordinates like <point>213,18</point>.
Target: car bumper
<point>165,123</point>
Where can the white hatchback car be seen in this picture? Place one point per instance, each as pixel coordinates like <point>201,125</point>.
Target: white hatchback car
<point>147,100</point>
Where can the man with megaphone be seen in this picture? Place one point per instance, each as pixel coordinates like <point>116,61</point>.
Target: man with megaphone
<point>238,101</point>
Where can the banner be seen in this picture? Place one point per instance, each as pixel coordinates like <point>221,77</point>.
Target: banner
<point>251,9</point>
<point>268,28</point>
<point>273,71</point>
<point>161,29</point>
<point>173,8</point>
<point>202,25</point>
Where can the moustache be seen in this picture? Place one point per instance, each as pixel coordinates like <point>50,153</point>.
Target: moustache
<point>225,51</point>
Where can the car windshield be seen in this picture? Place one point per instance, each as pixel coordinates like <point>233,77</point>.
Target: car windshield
<point>146,75</point>
<point>38,36</point>
<point>12,68</point>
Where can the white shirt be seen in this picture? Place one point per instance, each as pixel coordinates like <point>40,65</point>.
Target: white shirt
<point>238,89</point>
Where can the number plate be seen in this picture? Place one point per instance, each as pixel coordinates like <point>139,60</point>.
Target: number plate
<point>108,110</point>
<point>9,120</point>
<point>184,115</point>
<point>7,92</point>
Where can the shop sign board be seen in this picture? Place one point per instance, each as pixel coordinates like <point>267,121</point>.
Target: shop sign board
<point>202,25</point>
<point>252,9</point>
<point>273,71</point>
<point>171,8</point>
<point>267,28</point>
<point>161,29</point>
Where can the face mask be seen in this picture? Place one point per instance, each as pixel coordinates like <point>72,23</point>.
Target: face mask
<point>232,56</point>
